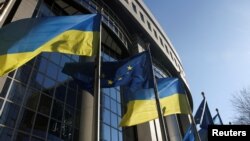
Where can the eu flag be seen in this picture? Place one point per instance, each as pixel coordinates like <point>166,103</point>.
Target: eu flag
<point>189,135</point>
<point>217,119</point>
<point>206,119</point>
<point>132,72</point>
<point>203,115</point>
<point>199,112</point>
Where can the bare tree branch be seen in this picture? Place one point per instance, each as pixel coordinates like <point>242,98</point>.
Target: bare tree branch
<point>241,104</point>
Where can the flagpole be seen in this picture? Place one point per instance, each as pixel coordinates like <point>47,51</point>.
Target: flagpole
<point>97,95</point>
<point>190,114</point>
<point>163,126</point>
<point>205,102</point>
<point>217,110</point>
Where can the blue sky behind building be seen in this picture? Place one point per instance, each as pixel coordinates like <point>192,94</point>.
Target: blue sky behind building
<point>212,39</point>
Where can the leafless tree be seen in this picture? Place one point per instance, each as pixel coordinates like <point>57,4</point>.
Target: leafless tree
<point>241,105</point>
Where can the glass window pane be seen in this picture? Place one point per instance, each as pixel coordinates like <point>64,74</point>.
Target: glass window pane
<point>41,64</point>
<point>118,97</point>
<point>40,126</point>
<point>5,134</point>
<point>5,88</point>
<point>79,99</point>
<point>55,57</point>
<point>72,84</point>
<point>54,130</point>
<point>119,109</point>
<point>75,58</point>
<point>9,115</point>
<point>1,103</point>
<point>32,97</point>
<point>52,70</point>
<point>64,60</point>
<point>113,106</point>
<point>114,134</point>
<point>105,133</point>
<point>48,83</point>
<point>77,119</point>
<point>105,57</point>
<point>45,104</point>
<point>27,119</point>
<point>23,73</point>
<point>49,86</point>
<point>21,137</point>
<point>57,111</point>
<point>105,90</point>
<point>60,93</point>
<point>113,93</point>
<point>17,92</point>
<point>36,80</point>
<point>119,120</point>
<point>67,133</point>
<point>120,136</point>
<point>45,55</point>
<point>106,116</point>
<point>114,122</point>
<point>106,101</point>
<point>36,139</point>
<point>68,115</point>
<point>71,97</point>
<point>62,77</point>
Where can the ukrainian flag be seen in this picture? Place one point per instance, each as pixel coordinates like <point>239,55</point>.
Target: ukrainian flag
<point>141,105</point>
<point>22,40</point>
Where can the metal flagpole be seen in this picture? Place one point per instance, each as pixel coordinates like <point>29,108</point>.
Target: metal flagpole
<point>97,88</point>
<point>217,110</point>
<point>158,105</point>
<point>190,114</point>
<point>205,102</point>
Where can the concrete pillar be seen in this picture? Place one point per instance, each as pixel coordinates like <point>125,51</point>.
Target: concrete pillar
<point>2,81</point>
<point>25,9</point>
<point>86,117</point>
<point>144,132</point>
<point>173,128</point>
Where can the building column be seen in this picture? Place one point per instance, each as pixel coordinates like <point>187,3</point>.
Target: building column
<point>2,82</point>
<point>86,117</point>
<point>173,128</point>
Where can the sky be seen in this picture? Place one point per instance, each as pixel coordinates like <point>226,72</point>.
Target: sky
<point>212,38</point>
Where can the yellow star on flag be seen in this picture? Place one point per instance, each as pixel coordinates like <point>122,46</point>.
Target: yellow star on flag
<point>130,67</point>
<point>110,82</point>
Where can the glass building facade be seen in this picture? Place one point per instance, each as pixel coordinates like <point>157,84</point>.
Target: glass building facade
<point>40,103</point>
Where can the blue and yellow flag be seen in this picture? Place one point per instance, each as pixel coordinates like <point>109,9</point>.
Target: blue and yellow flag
<point>141,105</point>
<point>133,72</point>
<point>22,40</point>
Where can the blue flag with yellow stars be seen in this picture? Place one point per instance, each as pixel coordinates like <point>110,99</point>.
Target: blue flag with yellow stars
<point>189,135</point>
<point>203,115</point>
<point>132,72</point>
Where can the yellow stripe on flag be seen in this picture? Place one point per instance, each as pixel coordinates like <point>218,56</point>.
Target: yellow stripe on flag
<point>71,42</point>
<point>140,111</point>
